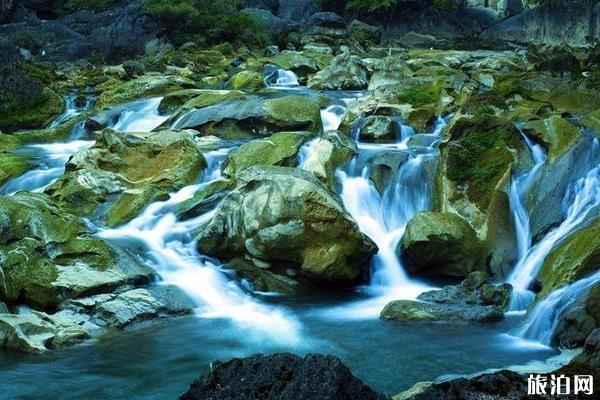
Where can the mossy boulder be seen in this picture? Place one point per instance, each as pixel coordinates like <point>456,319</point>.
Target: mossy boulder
<point>574,258</point>
<point>391,70</point>
<point>47,256</point>
<point>478,154</point>
<point>115,91</point>
<point>592,121</point>
<point>127,170</point>
<point>285,220</point>
<point>279,149</point>
<point>364,33</point>
<point>441,244</point>
<point>555,133</point>
<point>324,155</point>
<point>378,129</point>
<point>300,63</point>
<point>11,165</point>
<point>346,72</point>
<point>473,180</point>
<point>253,117</point>
<point>197,98</point>
<point>249,81</point>
<point>20,111</point>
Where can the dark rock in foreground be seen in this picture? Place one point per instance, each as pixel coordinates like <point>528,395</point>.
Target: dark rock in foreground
<point>281,376</point>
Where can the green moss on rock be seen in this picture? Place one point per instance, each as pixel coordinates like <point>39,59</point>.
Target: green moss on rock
<point>572,259</point>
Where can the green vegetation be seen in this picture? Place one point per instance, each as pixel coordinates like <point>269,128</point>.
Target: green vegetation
<point>481,154</point>
<point>376,6</point>
<point>95,5</point>
<point>207,21</point>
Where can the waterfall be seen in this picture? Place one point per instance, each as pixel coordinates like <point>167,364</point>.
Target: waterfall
<point>581,202</point>
<point>332,117</point>
<point>282,79</point>
<point>545,316</point>
<point>383,216</point>
<point>170,249</point>
<point>519,187</point>
<point>139,116</point>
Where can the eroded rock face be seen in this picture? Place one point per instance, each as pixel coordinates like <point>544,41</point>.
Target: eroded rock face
<point>283,377</point>
<point>87,317</point>
<point>285,220</point>
<point>441,244</point>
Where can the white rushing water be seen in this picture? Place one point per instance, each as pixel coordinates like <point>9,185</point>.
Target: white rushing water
<point>282,79</point>
<point>140,116</point>
<point>519,188</point>
<point>545,317</point>
<point>172,250</point>
<point>581,203</point>
<point>383,216</point>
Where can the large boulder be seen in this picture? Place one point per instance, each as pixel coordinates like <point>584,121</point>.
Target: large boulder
<point>285,220</point>
<point>473,180</point>
<point>556,134</point>
<point>129,170</point>
<point>346,72</point>
<point>47,256</point>
<point>252,117</point>
<point>441,244</point>
<point>363,33</point>
<point>322,156</point>
<point>280,376</point>
<point>279,149</point>
<point>409,310</point>
<point>574,258</point>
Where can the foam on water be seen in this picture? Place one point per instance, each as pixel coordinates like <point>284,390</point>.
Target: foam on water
<point>171,250</point>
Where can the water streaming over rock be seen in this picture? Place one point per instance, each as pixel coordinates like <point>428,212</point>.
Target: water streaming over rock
<point>140,116</point>
<point>170,248</point>
<point>519,188</point>
<point>383,214</point>
<point>581,204</point>
<point>545,317</point>
<point>282,79</point>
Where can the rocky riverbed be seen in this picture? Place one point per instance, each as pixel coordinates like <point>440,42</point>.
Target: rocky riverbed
<point>292,188</point>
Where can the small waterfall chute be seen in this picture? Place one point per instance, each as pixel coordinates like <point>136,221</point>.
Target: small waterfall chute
<point>279,78</point>
<point>582,203</point>
<point>545,317</point>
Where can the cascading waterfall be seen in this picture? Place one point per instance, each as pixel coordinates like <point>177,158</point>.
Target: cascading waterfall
<point>171,250</point>
<point>139,116</point>
<point>545,316</point>
<point>581,202</point>
<point>520,186</point>
<point>383,216</point>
